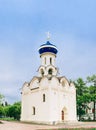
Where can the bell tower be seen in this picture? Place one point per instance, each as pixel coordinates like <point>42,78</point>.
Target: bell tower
<point>48,53</point>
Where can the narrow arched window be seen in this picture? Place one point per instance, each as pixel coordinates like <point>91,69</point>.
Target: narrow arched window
<point>43,97</point>
<point>45,60</point>
<point>42,72</point>
<point>50,60</point>
<point>50,71</point>
<point>34,111</point>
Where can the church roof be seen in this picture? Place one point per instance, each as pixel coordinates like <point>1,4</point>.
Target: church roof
<point>48,47</point>
<point>59,78</point>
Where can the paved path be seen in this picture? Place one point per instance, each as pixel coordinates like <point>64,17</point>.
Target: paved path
<point>22,126</point>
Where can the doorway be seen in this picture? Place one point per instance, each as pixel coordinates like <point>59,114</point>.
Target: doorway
<point>64,114</point>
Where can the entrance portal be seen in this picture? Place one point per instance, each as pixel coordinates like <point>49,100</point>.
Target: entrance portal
<point>64,114</point>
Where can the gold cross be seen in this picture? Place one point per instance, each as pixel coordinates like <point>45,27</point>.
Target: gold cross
<point>48,36</point>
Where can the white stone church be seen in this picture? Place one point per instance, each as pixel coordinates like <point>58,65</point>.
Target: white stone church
<point>48,98</point>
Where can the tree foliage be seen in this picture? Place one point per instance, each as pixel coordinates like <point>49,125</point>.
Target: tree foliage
<point>92,89</point>
<point>1,111</point>
<point>15,110</point>
<point>1,105</point>
<point>82,96</point>
<point>85,94</point>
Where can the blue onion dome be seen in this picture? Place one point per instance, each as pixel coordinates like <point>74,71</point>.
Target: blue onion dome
<point>48,47</point>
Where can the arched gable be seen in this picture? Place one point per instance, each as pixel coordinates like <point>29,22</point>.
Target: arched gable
<point>72,86</point>
<point>34,83</point>
<point>25,87</point>
<point>41,66</point>
<point>64,82</point>
<point>44,82</point>
<point>54,82</point>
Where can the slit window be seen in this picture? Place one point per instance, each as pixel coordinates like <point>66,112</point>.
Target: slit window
<point>50,60</point>
<point>34,111</point>
<point>43,97</point>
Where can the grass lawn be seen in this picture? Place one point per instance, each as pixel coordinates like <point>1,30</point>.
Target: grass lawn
<point>7,119</point>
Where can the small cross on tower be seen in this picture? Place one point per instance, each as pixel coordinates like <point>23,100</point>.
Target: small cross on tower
<point>48,35</point>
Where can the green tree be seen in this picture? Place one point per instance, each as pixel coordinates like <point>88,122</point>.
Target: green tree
<point>82,96</point>
<point>1,111</point>
<point>6,110</point>
<point>92,88</point>
<point>15,110</point>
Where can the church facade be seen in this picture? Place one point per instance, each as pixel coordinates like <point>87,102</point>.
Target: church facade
<point>48,98</point>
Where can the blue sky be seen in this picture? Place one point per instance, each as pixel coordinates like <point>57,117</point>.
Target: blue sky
<point>23,27</point>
